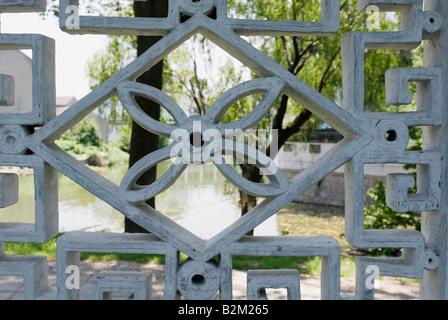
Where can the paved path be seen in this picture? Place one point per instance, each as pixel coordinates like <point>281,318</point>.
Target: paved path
<point>11,288</point>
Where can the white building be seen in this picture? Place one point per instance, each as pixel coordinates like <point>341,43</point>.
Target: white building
<point>18,65</point>
<point>294,157</point>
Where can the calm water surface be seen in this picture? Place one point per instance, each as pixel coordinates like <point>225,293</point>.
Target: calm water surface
<point>201,200</point>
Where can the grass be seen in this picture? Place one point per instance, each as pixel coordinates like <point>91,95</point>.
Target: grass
<point>49,249</point>
<point>137,257</point>
<point>305,265</point>
<point>294,219</point>
<point>298,219</point>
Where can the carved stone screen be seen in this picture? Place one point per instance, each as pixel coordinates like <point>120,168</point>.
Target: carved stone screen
<point>369,137</point>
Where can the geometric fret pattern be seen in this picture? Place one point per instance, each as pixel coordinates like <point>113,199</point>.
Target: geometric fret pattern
<point>369,137</point>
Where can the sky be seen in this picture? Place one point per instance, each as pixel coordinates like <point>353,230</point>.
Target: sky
<point>72,51</point>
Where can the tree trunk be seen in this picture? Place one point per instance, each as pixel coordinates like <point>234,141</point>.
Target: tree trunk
<point>248,201</point>
<point>252,173</point>
<point>142,141</point>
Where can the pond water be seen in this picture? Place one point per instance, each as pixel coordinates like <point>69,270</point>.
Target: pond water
<point>201,200</point>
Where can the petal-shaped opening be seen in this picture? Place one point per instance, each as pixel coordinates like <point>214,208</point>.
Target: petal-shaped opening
<point>278,184</point>
<point>129,89</point>
<point>271,87</point>
<point>135,193</point>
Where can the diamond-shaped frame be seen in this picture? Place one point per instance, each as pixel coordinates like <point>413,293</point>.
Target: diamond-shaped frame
<point>355,132</point>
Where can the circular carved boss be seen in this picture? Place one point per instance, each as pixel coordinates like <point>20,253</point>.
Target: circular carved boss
<point>12,139</point>
<point>392,135</point>
<point>198,280</point>
<point>192,7</point>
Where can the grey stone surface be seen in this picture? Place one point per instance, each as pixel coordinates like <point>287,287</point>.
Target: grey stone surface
<point>11,288</point>
<point>369,137</point>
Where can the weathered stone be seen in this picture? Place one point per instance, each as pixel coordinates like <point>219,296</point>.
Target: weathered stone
<point>369,138</point>
<point>33,269</point>
<point>107,282</point>
<point>258,280</point>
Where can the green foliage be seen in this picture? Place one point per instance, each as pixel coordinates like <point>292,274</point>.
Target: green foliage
<point>119,52</point>
<point>269,262</point>
<point>305,265</point>
<point>83,140</point>
<point>317,60</point>
<point>379,216</point>
<point>182,75</point>
<point>115,154</point>
<point>125,138</point>
<point>104,64</point>
<point>48,249</point>
<point>143,258</point>
<point>87,133</point>
<point>192,69</point>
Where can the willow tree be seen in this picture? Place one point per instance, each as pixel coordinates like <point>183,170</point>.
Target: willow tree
<point>142,142</point>
<point>315,60</point>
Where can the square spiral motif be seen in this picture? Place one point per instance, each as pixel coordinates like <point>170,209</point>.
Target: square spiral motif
<point>15,129</point>
<point>365,141</point>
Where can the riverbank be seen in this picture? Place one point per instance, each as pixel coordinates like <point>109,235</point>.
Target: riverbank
<point>188,201</point>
